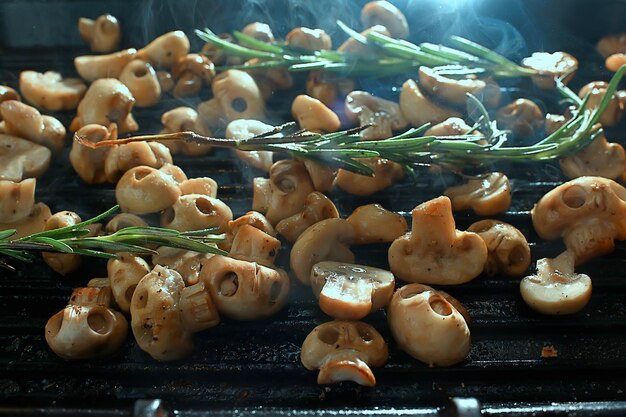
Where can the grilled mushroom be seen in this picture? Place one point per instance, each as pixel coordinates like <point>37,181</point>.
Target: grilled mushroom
<point>191,72</point>
<point>252,218</point>
<point>21,158</point>
<point>26,122</point>
<point>62,263</point>
<point>310,39</point>
<point>143,190</point>
<point>89,163</point>
<point>385,174</point>
<point>183,119</point>
<point>353,47</point>
<point>196,212</point>
<point>254,245</point>
<point>259,31</point>
<point>93,67</point>
<point>523,117</point>
<point>452,126</point>
<point>373,223</point>
<point>549,66</point>
<point>166,81</point>
<point>600,158</point>
<point>142,81</point>
<point>269,80</point>
<point>166,50</point>
<point>187,263</point>
<point>384,115</point>
<point>612,44</point>
<point>124,273</point>
<point>50,91</point>
<point>596,91</point>
<point>203,185</point>
<point>330,89</point>
<point>102,34</point>
<point>508,252</point>
<point>317,207</point>
<point>245,129</point>
<point>418,109</point>
<point>455,91</point>
<point>386,14</point>
<point>8,93</point>
<point>121,158</point>
<point>16,200</point>
<point>486,195</point>
<point>35,222</point>
<point>313,115</point>
<point>122,220</point>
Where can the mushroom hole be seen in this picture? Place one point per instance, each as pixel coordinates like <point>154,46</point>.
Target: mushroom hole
<point>239,105</point>
<point>140,72</point>
<point>574,197</point>
<point>328,335</point>
<point>229,284</point>
<point>204,206</point>
<point>100,320</point>
<point>275,291</point>
<point>141,299</point>
<point>140,174</point>
<point>54,324</point>
<point>439,305</point>
<point>517,255</point>
<point>168,215</point>
<point>364,332</point>
<point>128,294</point>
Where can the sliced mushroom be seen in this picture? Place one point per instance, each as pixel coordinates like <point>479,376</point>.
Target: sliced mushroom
<point>196,212</point>
<point>550,66</point>
<point>556,288</point>
<point>245,129</point>
<point>121,158</point>
<point>386,14</point>
<point>310,39</point>
<point>350,292</point>
<point>418,109</point>
<point>166,50</point>
<point>344,351</point>
<point>123,220</point>
<point>353,47</point>
<point>62,263</point>
<point>217,54</point>
<point>427,326</point>
<point>600,158</point>
<point>553,122</point>
<point>612,44</point>
<point>252,218</point>
<point>317,207</point>
<point>142,81</point>
<point>21,158</point>
<point>166,81</point>
<point>203,185</point>
<point>269,80</point>
<point>50,91</point>
<point>373,223</point>
<point>453,126</point>
<point>386,173</point>
<point>16,200</point>
<point>124,273</point>
<point>259,31</point>
<point>143,190</point>
<point>384,115</point>
<point>185,119</point>
<point>35,222</point>
<point>434,252</point>
<point>254,245</point>
<point>596,91</point>
<point>523,117</point>
<point>455,91</point>
<point>191,72</point>
<point>322,176</point>
<point>486,195</point>
<point>327,240</point>
<point>93,67</point>
<point>89,163</point>
<point>102,34</point>
<point>8,93</point>
<point>508,252</point>
<point>26,122</point>
<point>330,89</point>
<point>313,115</point>
<point>187,263</point>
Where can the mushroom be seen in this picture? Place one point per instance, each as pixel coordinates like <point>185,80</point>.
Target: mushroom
<point>434,252</point>
<point>486,195</point>
<point>166,81</point>
<point>322,176</point>
<point>107,101</point>
<point>455,91</point>
<point>93,67</point>
<point>121,158</point>
<point>124,273</point>
<point>217,55</point>
<point>175,172</point>
<point>385,174</point>
<point>350,292</point>
<point>195,212</point>
<point>373,223</point>
<point>596,91</point>
<point>317,207</point>
<point>50,91</point>
<point>344,351</point>
<point>550,66</point>
<point>88,327</point>
<point>427,326</point>
<point>244,290</point>
<point>8,93</point>
<point>21,158</point>
<point>191,72</point>
<point>523,117</point>
<point>553,122</point>
<point>254,245</point>
<point>35,222</point>
<point>142,81</point>
<point>16,199</point>
<point>165,314</point>
<point>284,193</point>
<point>187,263</point>
<point>309,39</point>
<point>123,220</point>
<point>269,80</point>
<point>329,88</point>
<point>384,116</point>
<point>259,31</point>
<point>252,218</point>
<point>26,122</point>
<point>385,14</point>
<point>508,252</point>
<point>243,129</point>
<point>615,61</point>
<point>417,109</point>
<point>235,96</point>
<point>326,240</point>
<point>102,34</point>
<point>453,126</point>
<point>612,44</point>
<point>166,50</point>
<point>600,158</point>
<point>313,115</point>
<point>143,190</point>
<point>62,263</point>
<point>203,185</point>
<point>353,47</point>
<point>184,119</point>
<point>87,162</point>
<point>589,213</point>
<point>556,288</point>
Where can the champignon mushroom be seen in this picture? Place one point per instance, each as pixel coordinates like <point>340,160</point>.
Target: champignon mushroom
<point>328,88</point>
<point>89,163</point>
<point>142,81</point>
<point>385,174</point>
<point>245,129</point>
<point>165,314</point>
<point>20,158</point>
<point>596,91</point>
<point>373,223</point>
<point>124,273</point>
<point>26,122</point>
<point>269,80</point>
<point>166,81</point>
<point>50,91</point>
<point>8,93</point>
<point>102,34</point>
<point>16,199</point>
<point>455,91</point>
<point>107,101</point>
<point>615,61</point>
<point>123,220</point>
<point>184,119</point>
<point>612,44</point>
<point>326,240</point>
<point>187,263</point>
<point>317,207</point>
<point>550,66</point>
<point>244,290</point>
<point>556,288</point>
<point>553,122</point>
<point>195,212</point>
<point>62,263</point>
<point>252,218</point>
<point>418,109</point>
<point>93,67</point>
<point>350,292</point>
<point>344,351</point>
<point>87,327</point>
<point>313,115</point>
<point>508,252</point>
<point>486,195</point>
<point>217,55</point>
<point>322,176</point>
<point>384,116</point>
<point>427,326</point>
<point>143,190</point>
<point>353,47</point>
<point>600,158</point>
<point>121,158</point>
<point>166,50</point>
<point>254,245</point>
<point>523,117</point>
<point>259,31</point>
<point>191,72</point>
<point>452,126</point>
<point>175,172</point>
<point>386,14</point>
<point>309,39</point>
<point>434,252</point>
<point>589,213</point>
<point>203,185</point>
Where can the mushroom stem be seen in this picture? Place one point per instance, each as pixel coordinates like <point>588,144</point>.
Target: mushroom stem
<point>434,221</point>
<point>345,365</point>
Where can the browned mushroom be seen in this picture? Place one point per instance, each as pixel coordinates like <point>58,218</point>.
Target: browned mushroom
<point>50,91</point>
<point>354,47</point>
<point>313,115</point>
<point>89,163</point>
<point>418,109</point>
<point>329,88</point>
<point>93,67</point>
<point>191,72</point>
<point>102,34</point>
<point>596,90</point>
<point>386,14</point>
<point>551,66</point>
<point>384,116</point>
<point>317,207</point>
<point>373,223</point>
<point>310,39</point>
<point>26,122</point>
<point>455,91</point>
<point>20,158</point>
<point>184,119</point>
<point>486,195</point>
<point>259,31</point>
<point>523,117</point>
<point>144,189</point>
<point>142,81</point>
<point>385,174</point>
<point>121,158</point>
<point>166,50</point>
<point>600,158</point>
<point>196,212</point>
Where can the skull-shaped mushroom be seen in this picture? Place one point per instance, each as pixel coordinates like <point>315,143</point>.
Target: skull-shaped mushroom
<point>121,158</point>
<point>182,119</point>
<point>202,185</point>
<point>418,109</point>
<point>102,34</point>
<point>386,14</point>
<point>384,115</point>
<point>386,173</point>
<point>523,117</point>
<point>166,50</point>
<point>373,223</point>
<point>16,200</point>
<point>142,81</point>
<point>20,158</point>
<point>144,190</point>
<point>550,66</point>
<point>124,274</point>
<point>317,207</point>
<point>196,211</point>
<point>89,163</point>
<point>50,91</point>
<point>187,263</point>
<point>252,218</point>
<point>453,91</point>
<point>600,158</point>
<point>310,39</point>
<point>26,122</point>
<point>93,67</point>
<point>253,244</point>
<point>596,91</point>
<point>192,72</point>
<point>245,129</point>
<point>487,195</point>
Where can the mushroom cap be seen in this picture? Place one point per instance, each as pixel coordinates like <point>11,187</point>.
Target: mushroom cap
<point>122,220</point>
<point>187,263</point>
<point>8,93</point>
<point>35,222</point>
<point>328,88</point>
<point>21,159</point>
<point>62,263</point>
<point>327,240</point>
<point>142,81</point>
<point>253,244</point>
<point>313,115</point>
<point>373,223</point>
<point>353,47</point>
<point>310,39</point>
<point>26,122</point>
<point>596,90</point>
<point>124,273</point>
<point>166,81</point>
<point>202,185</point>
<point>612,44</point>
<point>508,250</point>
<point>89,163</point>
<point>384,115</point>
<point>259,31</point>
<point>252,218</point>
<point>418,109</point>
<point>50,91</point>
<point>522,116</point>
<point>93,67</point>
<point>143,190</point>
<point>452,126</point>
<point>123,157</point>
<point>486,195</point>
<point>198,65</point>
<point>196,212</point>
<point>317,207</point>
<point>102,34</point>
<point>600,158</point>
<point>166,50</point>
<point>16,200</point>
<point>427,326</point>
<point>386,173</point>
<point>455,91</point>
<point>350,292</point>
<point>386,14</point>
<point>550,66</point>
<point>246,129</point>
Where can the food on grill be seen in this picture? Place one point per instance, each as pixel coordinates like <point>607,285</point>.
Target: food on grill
<point>102,34</point>
<point>124,273</point>
<point>16,200</point>
<point>612,44</point>
<point>217,55</point>
<point>141,79</point>
<point>350,292</point>
<point>344,351</point>
<point>328,88</point>
<point>313,115</point>
<point>310,39</point>
<point>453,126</point>
<point>88,327</point>
<point>596,90</point>
<point>486,195</point>
<point>353,47</point>
<point>187,263</point>
<point>50,91</point>
<point>549,352</point>
<point>373,223</point>
<point>246,129</point>
<point>94,67</point>
<point>434,251</point>
<point>166,81</point>
<point>269,80</point>
<point>252,218</point>
<point>26,122</point>
<point>384,115</point>
<point>254,245</point>
<point>386,173</point>
<point>615,61</point>
<point>556,288</point>
<point>385,14</point>
<point>508,252</point>
<point>89,163</point>
<point>327,240</point>
<point>600,158</point>
<point>259,31</point>
<point>166,50</point>
<point>62,263</point>
<point>196,212</point>
<point>427,326</point>
<point>550,65</point>
<point>454,91</point>
<point>123,157</point>
<point>175,172</point>
<point>419,109</point>
<point>35,222</point>
<point>191,72</point>
<point>8,93</point>
<point>316,208</point>
<point>143,190</point>
<point>523,117</point>
<point>588,213</point>
<point>122,220</point>
<point>202,185</point>
<point>20,159</point>
<point>322,176</point>
<point>183,119</point>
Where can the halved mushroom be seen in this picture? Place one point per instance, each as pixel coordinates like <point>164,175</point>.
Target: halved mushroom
<point>373,223</point>
<point>89,163</point>
<point>508,252</point>
<point>553,122</point>
<point>166,81</point>
<point>16,199</point>
<point>350,292</point>
<point>317,207</point>
<point>612,44</point>
<point>427,326</point>
<point>254,245</point>
<point>589,213</point>
<point>8,93</point>
<point>143,190</point>
<point>121,158</point>
<point>523,117</point>
<point>35,222</point>
<point>166,50</point>
<point>62,263</point>
<point>486,195</point>
<point>549,66</point>
<point>455,91</point>
<point>50,91</point>
<point>124,273</point>
<point>386,14</point>
<point>123,220</point>
<point>20,158</point>
<point>600,158</point>
<point>269,80</point>
<point>386,173</point>
<point>556,288</point>
<point>244,290</point>
<point>87,327</point>
<point>93,67</point>
<point>434,252</point>
<point>191,72</point>
<point>217,54</point>
<point>353,47</point>
<point>329,88</point>
<point>196,212</point>
<point>327,240</point>
<point>203,185</point>
<point>187,263</point>
<point>142,81</point>
<point>313,115</point>
<point>418,109</point>
<point>102,34</point>
<point>106,101</point>
<point>384,115</point>
<point>310,39</point>
<point>344,351</point>
<point>596,91</point>
<point>259,31</point>
<point>184,119</point>
<point>245,129</point>
<point>252,218</point>
<point>26,122</point>
<point>452,126</point>
<point>615,61</point>
<point>175,172</point>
